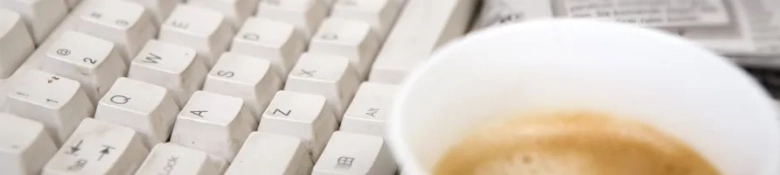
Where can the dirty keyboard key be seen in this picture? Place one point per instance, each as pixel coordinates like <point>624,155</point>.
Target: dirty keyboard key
<point>215,123</point>
<point>57,102</point>
<point>93,62</point>
<point>274,41</point>
<point>328,75</point>
<point>204,30</point>
<point>97,148</point>
<point>144,107</point>
<point>249,78</point>
<point>368,112</point>
<point>351,39</point>
<point>300,115</point>
<point>305,15</point>
<point>126,24</point>
<point>15,41</point>
<point>351,153</point>
<point>41,16</point>
<point>380,14</point>
<point>173,159</point>
<point>265,153</point>
<point>25,145</point>
<point>171,66</point>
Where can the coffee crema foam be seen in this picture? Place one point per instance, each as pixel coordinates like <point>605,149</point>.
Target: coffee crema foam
<point>571,143</point>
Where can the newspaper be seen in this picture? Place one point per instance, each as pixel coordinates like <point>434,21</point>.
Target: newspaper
<point>748,31</point>
<point>652,13</point>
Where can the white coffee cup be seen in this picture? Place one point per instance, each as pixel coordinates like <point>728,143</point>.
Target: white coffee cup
<point>670,83</point>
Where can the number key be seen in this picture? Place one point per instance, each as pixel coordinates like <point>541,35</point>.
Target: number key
<point>92,61</point>
<point>126,24</point>
<point>57,102</point>
<point>305,15</point>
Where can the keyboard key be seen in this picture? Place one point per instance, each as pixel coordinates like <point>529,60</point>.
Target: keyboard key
<point>171,66</point>
<point>15,41</point>
<point>41,16</point>
<point>25,145</point>
<point>92,61</point>
<point>380,14</point>
<point>217,124</point>
<point>98,147</point>
<point>351,39</point>
<point>159,9</point>
<point>275,41</point>
<point>173,159</point>
<point>351,153</point>
<point>305,15</point>
<point>265,153</point>
<point>144,107</point>
<point>327,75</point>
<point>204,30</point>
<point>300,115</point>
<point>369,108</point>
<point>246,77</point>
<point>235,11</point>
<point>418,31</point>
<point>126,24</point>
<point>57,102</point>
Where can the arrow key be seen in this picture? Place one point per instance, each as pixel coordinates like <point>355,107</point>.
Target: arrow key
<point>98,147</point>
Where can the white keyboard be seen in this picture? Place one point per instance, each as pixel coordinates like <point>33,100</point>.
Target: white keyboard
<point>180,87</point>
<point>207,87</point>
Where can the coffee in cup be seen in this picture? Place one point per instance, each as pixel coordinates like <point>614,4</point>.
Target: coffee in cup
<point>571,142</point>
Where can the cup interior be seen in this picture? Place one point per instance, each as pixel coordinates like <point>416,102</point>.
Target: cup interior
<point>672,84</point>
